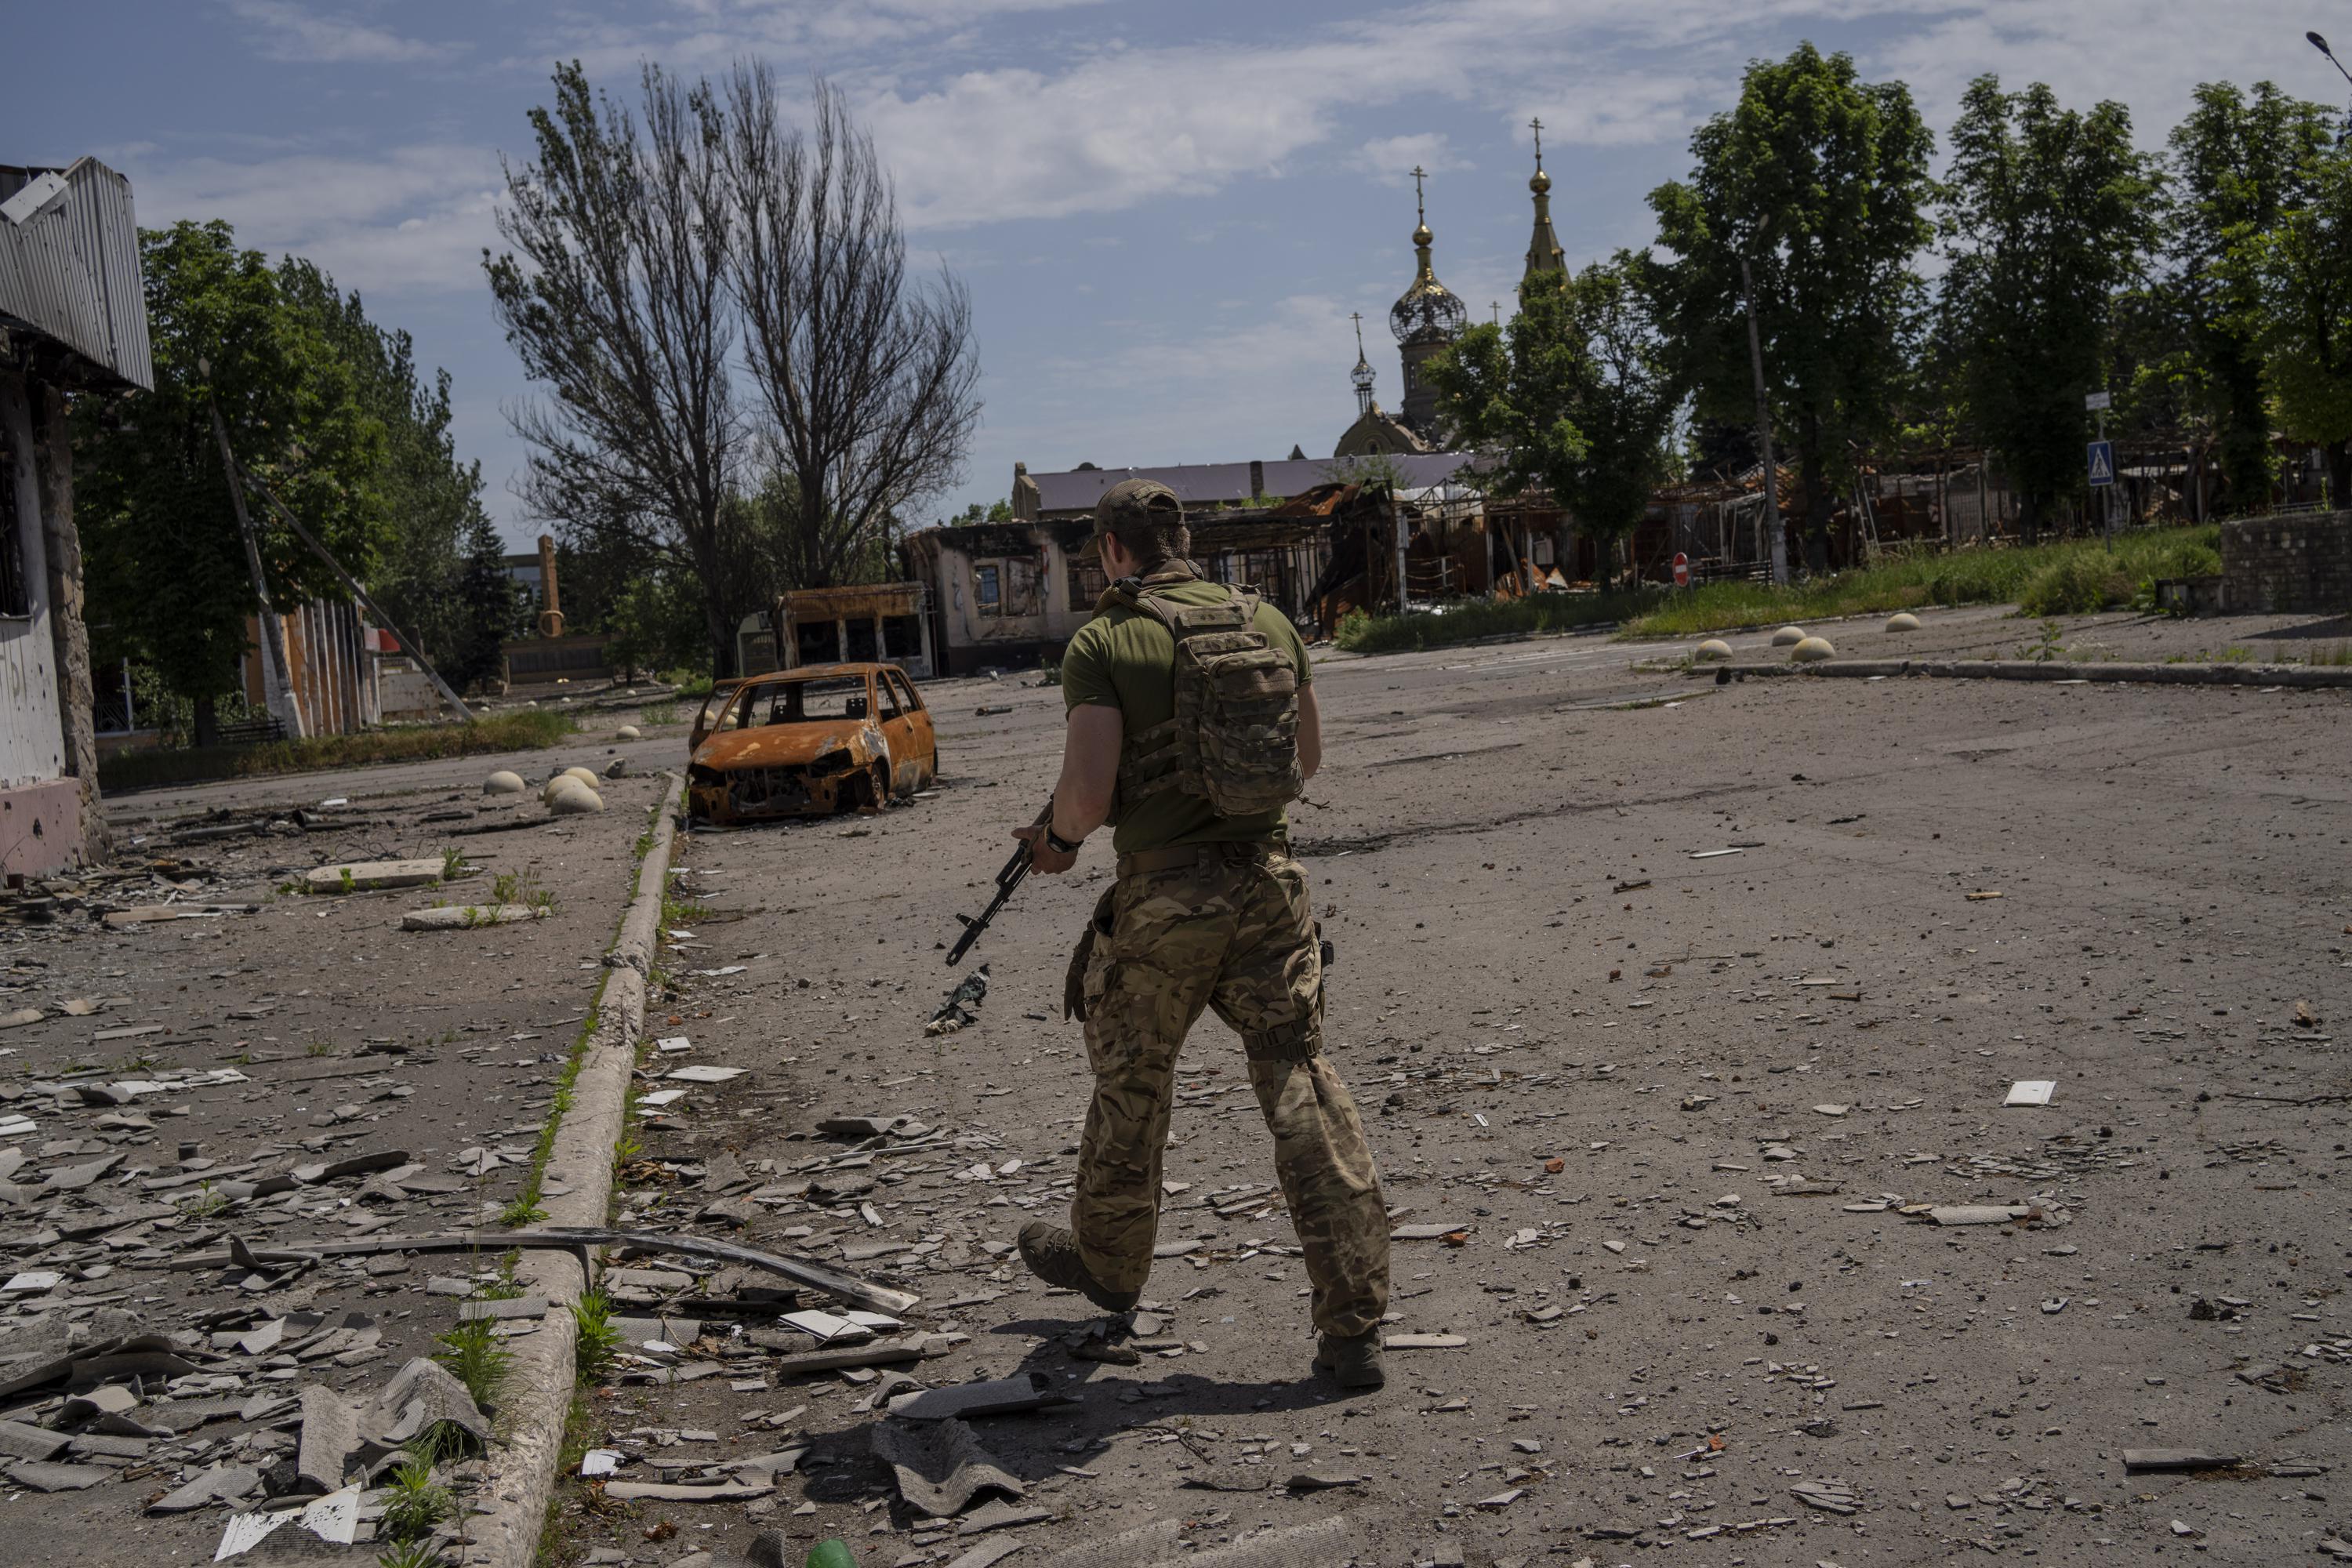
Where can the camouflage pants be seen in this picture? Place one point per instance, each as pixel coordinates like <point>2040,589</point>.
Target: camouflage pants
<point>1235,933</point>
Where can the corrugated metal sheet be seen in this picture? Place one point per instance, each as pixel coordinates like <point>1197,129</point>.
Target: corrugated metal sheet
<point>1208,484</point>
<point>72,274</point>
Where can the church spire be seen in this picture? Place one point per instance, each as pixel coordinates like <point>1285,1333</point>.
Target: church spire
<point>1363,375</point>
<point>1544,255</point>
<point>1427,318</point>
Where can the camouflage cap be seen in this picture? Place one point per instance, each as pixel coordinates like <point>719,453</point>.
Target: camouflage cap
<point>1142,502</point>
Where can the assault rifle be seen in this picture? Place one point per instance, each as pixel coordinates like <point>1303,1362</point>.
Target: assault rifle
<point>1007,879</point>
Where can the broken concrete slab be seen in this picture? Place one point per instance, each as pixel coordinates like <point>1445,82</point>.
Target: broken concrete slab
<point>330,1431</point>
<point>43,1477</point>
<point>223,1483</point>
<point>423,1395</point>
<point>19,1441</point>
<point>670,1491</point>
<point>364,876</point>
<point>2138,1461</point>
<point>997,1396</point>
<point>940,1467</point>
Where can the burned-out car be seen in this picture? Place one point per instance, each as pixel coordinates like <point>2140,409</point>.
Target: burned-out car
<point>809,742</point>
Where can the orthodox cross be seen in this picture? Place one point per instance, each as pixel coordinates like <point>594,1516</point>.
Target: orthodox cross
<point>1536,126</point>
<point>1419,174</point>
<point>1357,317</point>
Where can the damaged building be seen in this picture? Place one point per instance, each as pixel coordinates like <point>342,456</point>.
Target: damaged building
<point>73,320</point>
<point>1004,595</point>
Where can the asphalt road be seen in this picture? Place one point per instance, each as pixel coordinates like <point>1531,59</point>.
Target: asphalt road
<point>1673,1102</point>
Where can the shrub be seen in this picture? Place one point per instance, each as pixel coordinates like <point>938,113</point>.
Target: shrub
<point>2075,584</point>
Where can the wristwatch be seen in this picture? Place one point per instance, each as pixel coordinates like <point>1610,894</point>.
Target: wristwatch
<point>1066,846</point>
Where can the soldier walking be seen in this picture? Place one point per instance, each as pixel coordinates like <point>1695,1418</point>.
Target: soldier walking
<point>1192,726</point>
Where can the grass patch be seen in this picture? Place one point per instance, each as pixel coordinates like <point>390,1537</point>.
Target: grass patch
<point>1474,619</point>
<point>2071,576</point>
<point>476,1357</point>
<point>2332,654</point>
<point>529,730</point>
<point>413,1502</point>
<point>597,1340</point>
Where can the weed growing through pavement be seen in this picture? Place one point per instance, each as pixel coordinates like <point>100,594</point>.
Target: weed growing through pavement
<point>319,1049</point>
<point>138,1061</point>
<point>598,1340</point>
<point>2334,654</point>
<point>654,713</point>
<point>343,874</point>
<point>413,1502</point>
<point>520,1213</point>
<point>2050,646</point>
<point>521,888</point>
<point>453,864</point>
<point>411,1554</point>
<point>207,1203</point>
<point>476,1357</point>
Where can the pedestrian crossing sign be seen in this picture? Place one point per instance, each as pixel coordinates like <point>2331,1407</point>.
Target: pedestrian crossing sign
<point>2103,462</point>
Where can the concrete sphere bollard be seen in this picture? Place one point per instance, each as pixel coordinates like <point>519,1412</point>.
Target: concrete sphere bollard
<point>1713,649</point>
<point>585,775</point>
<point>503,783</point>
<point>1813,650</point>
<point>573,800</point>
<point>1902,621</point>
<point>625,732</point>
<point>555,786</point>
<point>1788,637</point>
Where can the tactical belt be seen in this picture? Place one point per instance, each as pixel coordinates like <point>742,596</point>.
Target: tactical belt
<point>1143,860</point>
<point>1292,1042</point>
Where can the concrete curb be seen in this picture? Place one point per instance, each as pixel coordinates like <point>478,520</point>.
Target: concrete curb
<point>2296,675</point>
<point>522,1475</point>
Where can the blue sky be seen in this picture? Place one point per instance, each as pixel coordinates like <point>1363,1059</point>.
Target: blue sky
<point>1165,212</point>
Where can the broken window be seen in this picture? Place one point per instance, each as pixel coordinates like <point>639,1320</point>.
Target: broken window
<point>14,601</point>
<point>987,591</point>
<point>1019,587</point>
<point>1086,584</point>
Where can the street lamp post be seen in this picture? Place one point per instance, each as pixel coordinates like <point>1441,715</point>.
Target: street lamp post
<point>1779,536</point>
<point>2321,44</point>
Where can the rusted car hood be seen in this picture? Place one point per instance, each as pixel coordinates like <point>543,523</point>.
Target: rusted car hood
<point>790,745</point>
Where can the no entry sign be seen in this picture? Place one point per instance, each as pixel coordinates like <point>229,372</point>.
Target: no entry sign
<point>1682,570</point>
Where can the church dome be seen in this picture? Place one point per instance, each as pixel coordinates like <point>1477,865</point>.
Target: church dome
<point>1427,311</point>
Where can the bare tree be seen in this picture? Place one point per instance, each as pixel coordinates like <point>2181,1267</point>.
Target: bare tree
<point>616,297</point>
<point>869,378</point>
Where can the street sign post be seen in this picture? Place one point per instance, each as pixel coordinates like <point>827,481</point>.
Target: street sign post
<point>2103,463</point>
<point>1682,570</point>
<point>2098,402</point>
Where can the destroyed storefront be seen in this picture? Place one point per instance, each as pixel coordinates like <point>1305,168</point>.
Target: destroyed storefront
<point>1011,595</point>
<point>869,622</point>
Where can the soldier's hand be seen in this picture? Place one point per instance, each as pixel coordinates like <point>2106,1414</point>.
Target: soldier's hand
<point>1042,856</point>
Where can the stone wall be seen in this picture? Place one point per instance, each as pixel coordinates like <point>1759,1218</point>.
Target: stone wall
<point>2287,565</point>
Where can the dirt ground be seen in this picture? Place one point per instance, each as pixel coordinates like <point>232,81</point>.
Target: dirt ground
<point>1655,1111</point>
<point>1649,1115</point>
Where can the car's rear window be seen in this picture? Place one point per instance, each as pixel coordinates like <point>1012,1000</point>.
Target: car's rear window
<point>801,702</point>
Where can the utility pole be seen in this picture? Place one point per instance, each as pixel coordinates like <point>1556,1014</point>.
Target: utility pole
<point>1764,431</point>
<point>1399,503</point>
<point>277,685</point>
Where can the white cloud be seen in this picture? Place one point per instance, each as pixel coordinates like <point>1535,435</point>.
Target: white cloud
<point>288,30</point>
<point>1392,159</point>
<point>408,219</point>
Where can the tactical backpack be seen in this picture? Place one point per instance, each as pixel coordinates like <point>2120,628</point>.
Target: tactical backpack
<point>1234,739</point>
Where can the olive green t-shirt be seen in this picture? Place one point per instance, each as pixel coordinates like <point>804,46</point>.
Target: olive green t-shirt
<point>1125,660</point>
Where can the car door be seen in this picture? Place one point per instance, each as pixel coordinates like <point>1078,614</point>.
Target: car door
<point>922,740</point>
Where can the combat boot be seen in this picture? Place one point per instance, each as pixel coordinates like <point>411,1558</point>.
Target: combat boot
<point>1353,1363</point>
<point>1051,1254</point>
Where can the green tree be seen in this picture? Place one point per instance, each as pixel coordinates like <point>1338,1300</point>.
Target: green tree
<point>431,502</point>
<point>2048,213</point>
<point>1572,397</point>
<point>2296,281</point>
<point>1819,180</point>
<point>165,568</point>
<point>973,515</point>
<point>2240,162</point>
<point>488,609</point>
